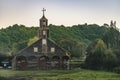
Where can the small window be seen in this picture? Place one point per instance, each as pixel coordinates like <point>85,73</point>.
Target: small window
<point>35,49</point>
<point>52,49</point>
<point>44,41</point>
<point>44,32</point>
<point>44,23</point>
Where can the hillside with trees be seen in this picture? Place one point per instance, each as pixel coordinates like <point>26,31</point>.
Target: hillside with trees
<point>75,39</point>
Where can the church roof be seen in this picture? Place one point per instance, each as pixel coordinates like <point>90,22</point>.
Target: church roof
<point>43,17</point>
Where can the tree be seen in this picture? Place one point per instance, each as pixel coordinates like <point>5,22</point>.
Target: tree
<point>76,49</point>
<point>100,57</point>
<point>32,40</point>
<point>18,46</point>
<point>95,58</point>
<point>110,60</point>
<point>116,51</point>
<point>112,37</point>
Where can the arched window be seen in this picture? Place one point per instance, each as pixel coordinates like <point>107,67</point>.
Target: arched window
<point>21,62</point>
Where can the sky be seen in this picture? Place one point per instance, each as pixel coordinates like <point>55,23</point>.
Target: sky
<point>59,12</point>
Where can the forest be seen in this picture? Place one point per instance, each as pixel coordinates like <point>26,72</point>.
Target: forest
<point>98,45</point>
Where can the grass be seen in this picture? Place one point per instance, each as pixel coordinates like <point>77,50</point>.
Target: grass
<point>74,74</point>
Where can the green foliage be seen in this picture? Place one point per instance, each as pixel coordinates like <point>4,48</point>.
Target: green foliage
<point>110,60</point>
<point>76,49</point>
<point>99,54</point>
<point>12,37</point>
<point>100,57</point>
<point>112,37</point>
<point>18,46</point>
<point>75,39</point>
<point>32,40</point>
<point>100,47</point>
<point>112,40</point>
<point>116,51</point>
<point>80,33</point>
<point>96,57</point>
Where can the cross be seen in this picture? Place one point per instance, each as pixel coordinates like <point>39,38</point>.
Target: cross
<point>43,10</point>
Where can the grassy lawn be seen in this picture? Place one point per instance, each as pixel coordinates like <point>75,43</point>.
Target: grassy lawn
<point>74,74</point>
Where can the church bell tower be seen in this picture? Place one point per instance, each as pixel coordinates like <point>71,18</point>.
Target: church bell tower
<point>44,33</point>
<point>43,29</point>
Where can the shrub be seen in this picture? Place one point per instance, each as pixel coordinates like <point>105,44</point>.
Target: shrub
<point>110,60</point>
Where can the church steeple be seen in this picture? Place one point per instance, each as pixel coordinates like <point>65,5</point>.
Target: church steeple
<point>43,30</point>
<point>43,20</point>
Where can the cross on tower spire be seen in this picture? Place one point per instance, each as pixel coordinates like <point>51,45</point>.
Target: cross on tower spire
<point>43,11</point>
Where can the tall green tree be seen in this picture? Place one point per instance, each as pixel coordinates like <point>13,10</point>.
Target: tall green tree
<point>95,57</point>
<point>112,37</point>
<point>100,57</point>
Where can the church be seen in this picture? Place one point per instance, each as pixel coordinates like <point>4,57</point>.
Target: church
<point>42,54</point>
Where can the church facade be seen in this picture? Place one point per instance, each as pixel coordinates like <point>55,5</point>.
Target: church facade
<point>42,54</point>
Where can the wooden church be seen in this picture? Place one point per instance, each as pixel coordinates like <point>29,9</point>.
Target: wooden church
<point>42,54</point>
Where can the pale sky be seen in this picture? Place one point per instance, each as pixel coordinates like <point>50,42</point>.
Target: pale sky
<point>59,12</point>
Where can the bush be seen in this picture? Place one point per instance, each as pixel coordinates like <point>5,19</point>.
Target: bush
<point>110,60</point>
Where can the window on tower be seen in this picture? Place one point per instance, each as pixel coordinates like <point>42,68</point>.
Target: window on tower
<point>44,32</point>
<point>44,23</point>
<point>44,42</point>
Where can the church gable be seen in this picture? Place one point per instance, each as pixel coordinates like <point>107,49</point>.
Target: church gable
<point>32,49</point>
<point>55,49</point>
